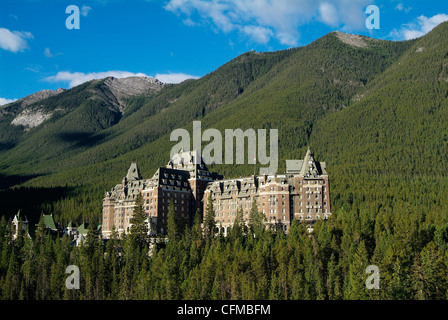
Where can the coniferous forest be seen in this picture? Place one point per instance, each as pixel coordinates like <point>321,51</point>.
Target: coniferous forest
<point>376,114</point>
<point>251,263</point>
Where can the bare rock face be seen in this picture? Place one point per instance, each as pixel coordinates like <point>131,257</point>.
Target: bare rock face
<point>38,96</point>
<point>115,90</point>
<point>352,40</point>
<point>29,113</point>
<point>30,118</point>
<point>132,86</point>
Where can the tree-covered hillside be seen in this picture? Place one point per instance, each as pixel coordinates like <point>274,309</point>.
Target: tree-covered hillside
<point>301,92</point>
<point>374,111</point>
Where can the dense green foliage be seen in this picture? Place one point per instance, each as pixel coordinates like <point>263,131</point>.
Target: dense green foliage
<point>331,264</point>
<point>287,90</point>
<point>375,115</point>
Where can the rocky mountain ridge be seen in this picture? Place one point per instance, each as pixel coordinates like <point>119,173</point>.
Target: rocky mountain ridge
<point>30,111</point>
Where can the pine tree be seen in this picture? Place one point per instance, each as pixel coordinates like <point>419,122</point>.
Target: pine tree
<point>237,228</point>
<point>40,232</point>
<point>209,220</point>
<point>256,220</point>
<point>357,275</point>
<point>333,286</point>
<point>197,229</point>
<point>139,226</point>
<point>172,223</point>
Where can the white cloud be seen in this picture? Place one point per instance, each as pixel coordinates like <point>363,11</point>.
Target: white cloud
<point>47,53</point>
<point>328,14</point>
<point>418,28</point>
<point>76,78</point>
<point>14,41</point>
<point>262,20</point>
<point>258,34</point>
<point>85,10</point>
<point>174,77</point>
<point>4,101</point>
<point>401,7</point>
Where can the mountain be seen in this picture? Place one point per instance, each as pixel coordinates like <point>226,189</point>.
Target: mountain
<point>372,109</point>
<point>96,105</point>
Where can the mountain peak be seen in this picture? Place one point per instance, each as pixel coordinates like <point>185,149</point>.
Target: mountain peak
<point>352,39</point>
<point>38,96</point>
<point>122,88</point>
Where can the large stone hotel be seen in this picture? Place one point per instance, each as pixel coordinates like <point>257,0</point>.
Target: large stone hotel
<point>301,193</point>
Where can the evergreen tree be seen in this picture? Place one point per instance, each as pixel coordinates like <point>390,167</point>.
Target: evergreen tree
<point>357,277</point>
<point>236,232</point>
<point>256,220</point>
<point>139,226</point>
<point>172,223</point>
<point>209,220</point>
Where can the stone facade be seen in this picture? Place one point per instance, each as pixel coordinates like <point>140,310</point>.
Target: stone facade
<point>183,181</point>
<point>302,193</point>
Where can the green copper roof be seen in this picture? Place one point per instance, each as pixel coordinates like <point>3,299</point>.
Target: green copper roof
<point>83,229</point>
<point>49,222</point>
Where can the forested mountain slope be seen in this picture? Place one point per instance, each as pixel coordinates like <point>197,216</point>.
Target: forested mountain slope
<point>324,95</point>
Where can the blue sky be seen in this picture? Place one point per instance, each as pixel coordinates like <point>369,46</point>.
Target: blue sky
<point>176,39</point>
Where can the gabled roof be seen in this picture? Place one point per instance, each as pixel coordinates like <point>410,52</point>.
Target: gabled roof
<point>49,222</point>
<point>311,167</point>
<point>84,228</point>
